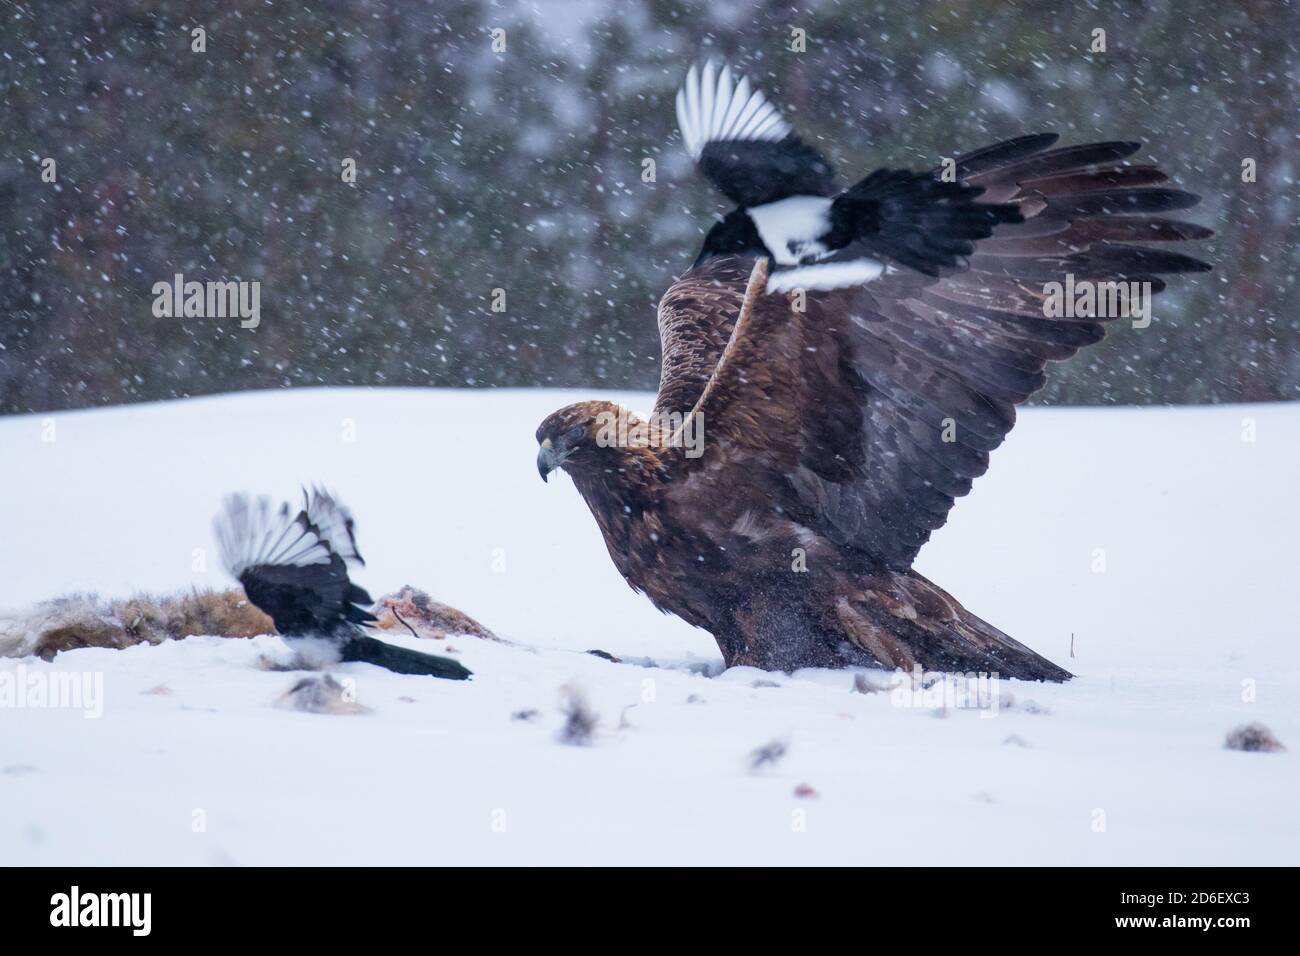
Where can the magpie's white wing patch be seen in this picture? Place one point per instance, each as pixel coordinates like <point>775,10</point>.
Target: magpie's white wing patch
<point>712,107</point>
<point>252,532</point>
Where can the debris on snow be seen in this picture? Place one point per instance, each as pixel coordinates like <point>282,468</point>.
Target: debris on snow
<point>862,684</point>
<point>579,719</point>
<point>768,755</point>
<point>623,722</point>
<point>1253,738</point>
<point>321,695</point>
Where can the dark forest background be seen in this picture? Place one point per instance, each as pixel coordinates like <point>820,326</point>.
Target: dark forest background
<point>522,170</point>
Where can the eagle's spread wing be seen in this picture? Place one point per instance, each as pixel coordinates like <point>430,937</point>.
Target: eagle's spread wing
<point>876,406</point>
<point>696,316</point>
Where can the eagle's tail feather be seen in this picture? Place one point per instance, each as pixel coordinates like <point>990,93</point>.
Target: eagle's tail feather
<point>402,660</point>
<point>903,620</point>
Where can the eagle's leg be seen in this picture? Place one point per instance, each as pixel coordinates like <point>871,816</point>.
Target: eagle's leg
<point>780,630</point>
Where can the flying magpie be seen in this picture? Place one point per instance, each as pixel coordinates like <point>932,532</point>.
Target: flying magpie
<point>790,209</point>
<point>294,566</point>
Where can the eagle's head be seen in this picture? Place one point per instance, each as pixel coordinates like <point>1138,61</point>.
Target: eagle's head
<point>577,434</point>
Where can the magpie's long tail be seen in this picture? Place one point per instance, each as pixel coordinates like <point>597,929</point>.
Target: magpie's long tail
<point>401,660</point>
<point>916,219</point>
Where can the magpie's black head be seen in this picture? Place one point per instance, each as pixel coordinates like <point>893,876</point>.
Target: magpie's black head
<point>734,235</point>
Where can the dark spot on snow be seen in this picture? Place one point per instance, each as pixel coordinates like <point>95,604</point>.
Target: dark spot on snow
<point>862,684</point>
<point>322,695</point>
<point>1253,738</point>
<point>768,755</point>
<point>579,719</point>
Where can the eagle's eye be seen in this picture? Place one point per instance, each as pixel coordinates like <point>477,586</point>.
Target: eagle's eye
<point>574,435</point>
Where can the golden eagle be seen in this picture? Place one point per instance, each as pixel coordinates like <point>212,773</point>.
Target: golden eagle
<point>810,433</point>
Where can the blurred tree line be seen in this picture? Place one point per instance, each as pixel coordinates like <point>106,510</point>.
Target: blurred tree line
<point>523,170</point>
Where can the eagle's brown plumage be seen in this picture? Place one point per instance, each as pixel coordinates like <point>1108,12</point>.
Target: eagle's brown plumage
<point>837,437</point>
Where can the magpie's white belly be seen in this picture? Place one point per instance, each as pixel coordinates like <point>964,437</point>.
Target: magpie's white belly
<point>316,653</point>
<point>792,228</point>
<point>822,276</point>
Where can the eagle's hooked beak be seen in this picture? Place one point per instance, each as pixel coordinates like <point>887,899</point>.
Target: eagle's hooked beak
<point>548,459</point>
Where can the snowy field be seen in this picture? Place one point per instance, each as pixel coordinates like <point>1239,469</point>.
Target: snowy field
<point>1162,540</point>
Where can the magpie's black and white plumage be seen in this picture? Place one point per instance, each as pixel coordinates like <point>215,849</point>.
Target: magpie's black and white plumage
<point>294,566</point>
<point>790,209</point>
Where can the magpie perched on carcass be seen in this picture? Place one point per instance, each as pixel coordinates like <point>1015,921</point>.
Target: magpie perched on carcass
<point>790,209</point>
<point>294,566</point>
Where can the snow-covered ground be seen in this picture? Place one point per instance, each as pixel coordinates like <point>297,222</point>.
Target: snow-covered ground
<point>1162,540</point>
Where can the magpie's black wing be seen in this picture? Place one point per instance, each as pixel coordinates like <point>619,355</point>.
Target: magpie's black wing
<point>752,174</point>
<point>912,219</point>
<point>740,142</point>
<point>294,566</point>
<point>306,599</point>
